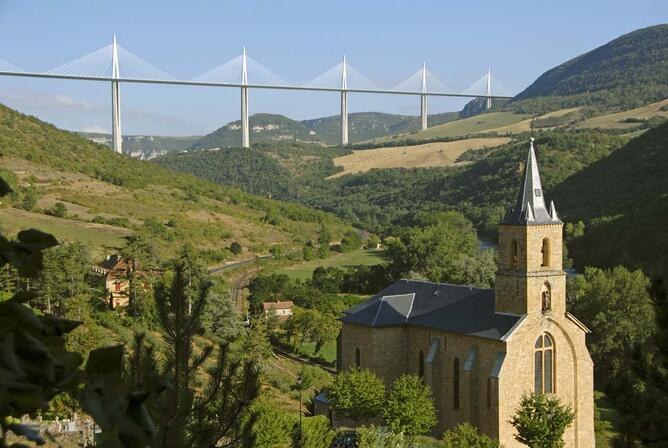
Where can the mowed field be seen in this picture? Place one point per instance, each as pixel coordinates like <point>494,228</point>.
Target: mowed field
<point>303,271</point>
<point>616,120</point>
<point>417,156</point>
<point>471,125</point>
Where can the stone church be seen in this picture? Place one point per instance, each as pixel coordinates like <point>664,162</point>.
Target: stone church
<point>481,349</point>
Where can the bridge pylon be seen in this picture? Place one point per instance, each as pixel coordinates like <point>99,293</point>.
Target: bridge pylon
<point>344,104</point>
<point>423,98</point>
<point>489,88</point>
<point>245,132</point>
<point>116,136</point>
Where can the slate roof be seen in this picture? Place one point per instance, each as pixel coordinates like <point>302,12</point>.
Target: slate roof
<point>453,308</point>
<point>530,206</point>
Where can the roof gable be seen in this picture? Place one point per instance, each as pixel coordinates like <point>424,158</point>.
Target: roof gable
<point>454,308</point>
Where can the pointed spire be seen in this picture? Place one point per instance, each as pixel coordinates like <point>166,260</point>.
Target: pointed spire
<point>530,205</point>
<point>553,212</point>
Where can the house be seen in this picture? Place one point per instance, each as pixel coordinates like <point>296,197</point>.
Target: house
<point>481,349</point>
<point>117,272</point>
<point>283,310</point>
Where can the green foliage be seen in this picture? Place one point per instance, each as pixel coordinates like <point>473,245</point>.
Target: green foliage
<point>621,199</point>
<point>627,71</point>
<point>465,435</point>
<point>616,305</point>
<point>434,248</point>
<point>541,420</point>
<point>357,393</point>
<point>375,437</point>
<point>273,426</point>
<point>316,432</point>
<point>409,408</point>
<point>351,241</point>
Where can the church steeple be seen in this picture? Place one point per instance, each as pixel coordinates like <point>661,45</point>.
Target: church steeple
<point>530,206</point>
<point>530,279</point>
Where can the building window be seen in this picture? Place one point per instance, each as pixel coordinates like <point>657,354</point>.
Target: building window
<point>357,357</point>
<point>421,364</point>
<point>117,286</point>
<point>455,383</point>
<point>546,298</point>
<point>545,251</point>
<point>544,365</point>
<point>514,260</point>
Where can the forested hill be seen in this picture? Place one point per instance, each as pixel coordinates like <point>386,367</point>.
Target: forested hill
<point>79,190</point>
<point>624,199</point>
<point>629,71</point>
<point>321,131</point>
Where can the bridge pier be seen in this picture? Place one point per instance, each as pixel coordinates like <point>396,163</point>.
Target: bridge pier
<point>116,136</point>
<point>245,132</point>
<point>344,118</point>
<point>423,112</point>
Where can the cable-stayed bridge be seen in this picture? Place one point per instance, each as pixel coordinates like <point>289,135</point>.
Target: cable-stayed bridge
<point>117,65</point>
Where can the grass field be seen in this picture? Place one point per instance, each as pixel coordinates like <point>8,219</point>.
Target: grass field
<point>609,419</point>
<point>417,156</point>
<point>466,126</point>
<point>616,120</point>
<point>97,235</point>
<point>305,270</point>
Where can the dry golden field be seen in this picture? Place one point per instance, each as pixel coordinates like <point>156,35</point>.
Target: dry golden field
<point>417,156</point>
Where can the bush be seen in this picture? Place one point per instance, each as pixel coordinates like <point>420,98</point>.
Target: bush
<point>357,393</point>
<point>235,248</point>
<point>410,407</point>
<point>316,433</point>
<point>467,436</point>
<point>59,210</point>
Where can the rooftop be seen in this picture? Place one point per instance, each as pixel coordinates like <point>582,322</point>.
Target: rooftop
<point>441,306</point>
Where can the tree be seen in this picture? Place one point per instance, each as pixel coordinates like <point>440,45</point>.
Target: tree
<point>466,435</point>
<point>357,394</point>
<point>277,251</point>
<point>616,305</point>
<point>316,432</point>
<point>409,408</point>
<point>434,248</point>
<point>324,236</point>
<point>373,242</point>
<point>59,210</point>
<point>540,421</point>
<point>235,248</point>
<point>478,270</point>
<point>351,241</point>
<point>192,414</point>
<point>272,426</point>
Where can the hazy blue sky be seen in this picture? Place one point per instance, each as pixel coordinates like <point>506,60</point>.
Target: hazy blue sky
<point>297,39</point>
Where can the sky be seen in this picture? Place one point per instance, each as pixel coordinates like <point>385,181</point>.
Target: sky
<point>386,40</point>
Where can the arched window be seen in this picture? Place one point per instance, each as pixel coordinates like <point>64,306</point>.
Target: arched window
<point>421,364</point>
<point>514,260</point>
<point>357,357</point>
<point>545,251</point>
<point>455,383</point>
<point>544,365</point>
<point>546,298</point>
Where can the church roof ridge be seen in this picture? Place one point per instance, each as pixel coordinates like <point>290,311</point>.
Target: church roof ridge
<point>530,208</point>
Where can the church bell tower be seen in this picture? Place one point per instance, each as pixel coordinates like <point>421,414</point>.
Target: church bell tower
<point>530,279</point>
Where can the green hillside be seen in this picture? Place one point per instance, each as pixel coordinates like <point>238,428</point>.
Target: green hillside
<point>627,72</point>
<point>623,198</point>
<point>363,126</point>
<point>105,198</point>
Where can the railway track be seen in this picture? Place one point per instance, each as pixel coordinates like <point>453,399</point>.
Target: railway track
<point>283,354</point>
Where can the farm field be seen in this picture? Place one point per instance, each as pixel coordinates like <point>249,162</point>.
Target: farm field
<point>359,257</point>
<point>616,120</point>
<point>416,156</point>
